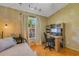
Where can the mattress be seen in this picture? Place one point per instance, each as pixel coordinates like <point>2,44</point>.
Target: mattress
<point>18,50</point>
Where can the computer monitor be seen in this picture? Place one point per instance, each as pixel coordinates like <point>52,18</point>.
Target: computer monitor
<point>56,31</point>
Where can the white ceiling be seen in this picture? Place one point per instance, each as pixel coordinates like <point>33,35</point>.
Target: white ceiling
<point>47,9</point>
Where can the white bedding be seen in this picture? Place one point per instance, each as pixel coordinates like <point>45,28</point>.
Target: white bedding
<point>18,50</point>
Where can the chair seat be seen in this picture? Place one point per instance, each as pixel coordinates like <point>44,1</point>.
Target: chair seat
<point>49,42</point>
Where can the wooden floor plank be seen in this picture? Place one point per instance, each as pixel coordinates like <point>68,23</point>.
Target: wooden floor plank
<point>39,49</point>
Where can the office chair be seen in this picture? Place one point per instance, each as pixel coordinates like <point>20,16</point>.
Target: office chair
<point>49,41</point>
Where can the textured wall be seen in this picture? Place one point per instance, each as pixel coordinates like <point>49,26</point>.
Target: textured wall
<point>70,16</point>
<point>13,19</point>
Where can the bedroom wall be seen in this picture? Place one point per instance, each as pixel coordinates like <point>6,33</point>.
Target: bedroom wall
<point>13,19</point>
<point>70,16</point>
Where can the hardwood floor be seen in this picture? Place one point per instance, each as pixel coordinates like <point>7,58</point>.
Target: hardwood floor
<point>39,49</point>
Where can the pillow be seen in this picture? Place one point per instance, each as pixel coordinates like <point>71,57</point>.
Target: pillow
<point>6,43</point>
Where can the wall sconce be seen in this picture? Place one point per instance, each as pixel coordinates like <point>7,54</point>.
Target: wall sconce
<point>5,25</point>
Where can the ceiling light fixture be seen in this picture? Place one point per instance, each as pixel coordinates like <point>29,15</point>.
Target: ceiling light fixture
<point>20,4</point>
<point>34,7</point>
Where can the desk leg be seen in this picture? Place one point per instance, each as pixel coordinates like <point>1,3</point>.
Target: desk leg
<point>57,44</point>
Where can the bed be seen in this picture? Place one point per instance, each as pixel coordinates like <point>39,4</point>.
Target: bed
<point>22,49</point>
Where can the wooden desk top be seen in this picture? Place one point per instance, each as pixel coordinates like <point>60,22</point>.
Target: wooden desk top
<point>49,35</point>
<point>56,36</point>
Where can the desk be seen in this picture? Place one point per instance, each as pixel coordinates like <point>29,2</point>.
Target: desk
<point>57,42</point>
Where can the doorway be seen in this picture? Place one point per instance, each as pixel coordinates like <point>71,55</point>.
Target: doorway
<point>33,25</point>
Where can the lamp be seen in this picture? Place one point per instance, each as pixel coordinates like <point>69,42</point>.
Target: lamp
<point>5,25</point>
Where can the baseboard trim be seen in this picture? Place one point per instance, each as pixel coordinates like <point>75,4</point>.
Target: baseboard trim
<point>72,48</point>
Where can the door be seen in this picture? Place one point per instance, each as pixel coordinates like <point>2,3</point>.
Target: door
<point>33,30</point>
